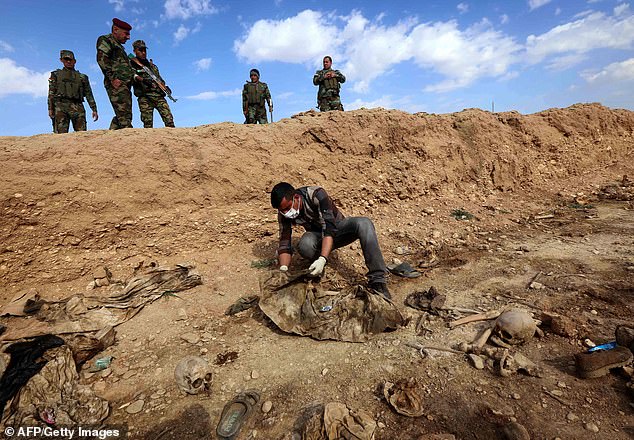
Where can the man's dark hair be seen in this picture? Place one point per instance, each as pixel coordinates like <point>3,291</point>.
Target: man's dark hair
<point>329,57</point>
<point>281,191</point>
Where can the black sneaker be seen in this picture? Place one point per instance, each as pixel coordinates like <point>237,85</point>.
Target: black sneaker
<point>380,288</point>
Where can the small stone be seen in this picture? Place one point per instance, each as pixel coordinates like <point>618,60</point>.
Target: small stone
<point>428,211</point>
<point>516,396</point>
<point>324,371</point>
<point>255,374</point>
<point>588,343</point>
<point>592,427</point>
<point>266,406</point>
<point>572,417</point>
<point>477,361</point>
<point>594,312</point>
<point>190,337</point>
<point>135,407</point>
<point>536,286</point>
<point>557,393</point>
<point>182,315</point>
<point>381,425</point>
<point>128,374</point>
<point>203,351</point>
<point>105,373</point>
<point>562,385</point>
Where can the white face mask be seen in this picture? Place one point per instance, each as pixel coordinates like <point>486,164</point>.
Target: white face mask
<point>292,212</point>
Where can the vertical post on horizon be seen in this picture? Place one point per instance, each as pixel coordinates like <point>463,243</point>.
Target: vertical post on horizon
<point>492,106</point>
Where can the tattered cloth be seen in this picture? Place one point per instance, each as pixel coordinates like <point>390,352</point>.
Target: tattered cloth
<point>55,391</point>
<point>296,305</point>
<point>81,313</point>
<point>336,422</point>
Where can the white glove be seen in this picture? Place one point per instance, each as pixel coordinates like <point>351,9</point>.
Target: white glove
<point>283,268</point>
<point>318,266</point>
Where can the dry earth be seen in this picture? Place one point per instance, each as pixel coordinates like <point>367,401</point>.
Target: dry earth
<point>550,197</point>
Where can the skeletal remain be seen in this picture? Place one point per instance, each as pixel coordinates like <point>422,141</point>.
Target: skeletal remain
<point>474,318</point>
<point>514,327</point>
<point>511,362</point>
<point>193,375</point>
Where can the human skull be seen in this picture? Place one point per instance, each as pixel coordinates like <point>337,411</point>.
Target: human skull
<point>193,375</point>
<point>513,327</point>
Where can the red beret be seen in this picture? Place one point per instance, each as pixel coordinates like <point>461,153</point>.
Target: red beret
<point>121,24</point>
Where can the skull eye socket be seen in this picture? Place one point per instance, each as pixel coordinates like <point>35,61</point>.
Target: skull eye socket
<point>506,335</point>
<point>197,383</point>
<point>208,377</point>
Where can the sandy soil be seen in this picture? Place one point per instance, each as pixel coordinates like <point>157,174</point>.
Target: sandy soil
<point>551,202</point>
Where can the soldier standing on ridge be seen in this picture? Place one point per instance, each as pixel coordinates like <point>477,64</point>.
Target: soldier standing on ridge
<point>254,94</point>
<point>118,73</point>
<point>149,94</point>
<point>329,82</point>
<point>67,89</point>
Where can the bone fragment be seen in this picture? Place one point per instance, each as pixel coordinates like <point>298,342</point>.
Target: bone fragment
<point>477,317</point>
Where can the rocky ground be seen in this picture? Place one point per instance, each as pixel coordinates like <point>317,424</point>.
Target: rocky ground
<point>532,211</point>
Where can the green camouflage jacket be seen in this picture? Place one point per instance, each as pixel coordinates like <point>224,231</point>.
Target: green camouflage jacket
<point>70,85</point>
<point>147,87</point>
<point>328,86</point>
<point>113,60</point>
<point>255,94</point>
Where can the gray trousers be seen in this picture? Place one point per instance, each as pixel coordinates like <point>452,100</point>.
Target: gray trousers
<point>349,230</point>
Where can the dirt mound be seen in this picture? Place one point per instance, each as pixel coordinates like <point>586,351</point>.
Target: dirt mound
<point>74,203</point>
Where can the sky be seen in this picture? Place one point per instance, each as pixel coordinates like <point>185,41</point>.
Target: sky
<point>434,56</point>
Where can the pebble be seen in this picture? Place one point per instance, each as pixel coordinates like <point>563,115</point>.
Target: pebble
<point>190,337</point>
<point>536,286</point>
<point>594,312</point>
<point>428,211</point>
<point>557,393</point>
<point>182,315</point>
<point>266,406</point>
<point>135,407</point>
<point>324,371</point>
<point>477,361</point>
<point>381,425</point>
<point>572,417</point>
<point>516,396</point>
<point>592,427</point>
<point>255,374</point>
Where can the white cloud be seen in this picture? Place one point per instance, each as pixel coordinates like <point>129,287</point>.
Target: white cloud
<point>368,49</point>
<point>534,4</point>
<point>462,56</point>
<point>183,32</point>
<point>202,64</point>
<point>185,9</point>
<point>20,80</point>
<point>387,102</point>
<point>118,4</point>
<point>463,8</point>
<point>615,72</point>
<point>298,39</point>
<point>208,96</point>
<point>5,47</point>
<point>621,9</point>
<point>593,31</point>
<point>566,61</point>
<point>504,19</point>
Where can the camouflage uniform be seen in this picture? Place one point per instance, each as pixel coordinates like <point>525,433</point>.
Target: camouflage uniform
<point>254,95</point>
<point>67,89</point>
<point>114,63</point>
<point>150,96</point>
<point>328,93</point>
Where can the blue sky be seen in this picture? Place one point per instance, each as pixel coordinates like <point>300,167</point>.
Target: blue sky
<point>435,56</point>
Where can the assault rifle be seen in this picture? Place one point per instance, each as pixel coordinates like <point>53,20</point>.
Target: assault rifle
<point>158,82</point>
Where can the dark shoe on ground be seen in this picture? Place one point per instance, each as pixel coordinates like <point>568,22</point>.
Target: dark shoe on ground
<point>599,363</point>
<point>235,413</point>
<point>381,289</point>
<point>404,270</point>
